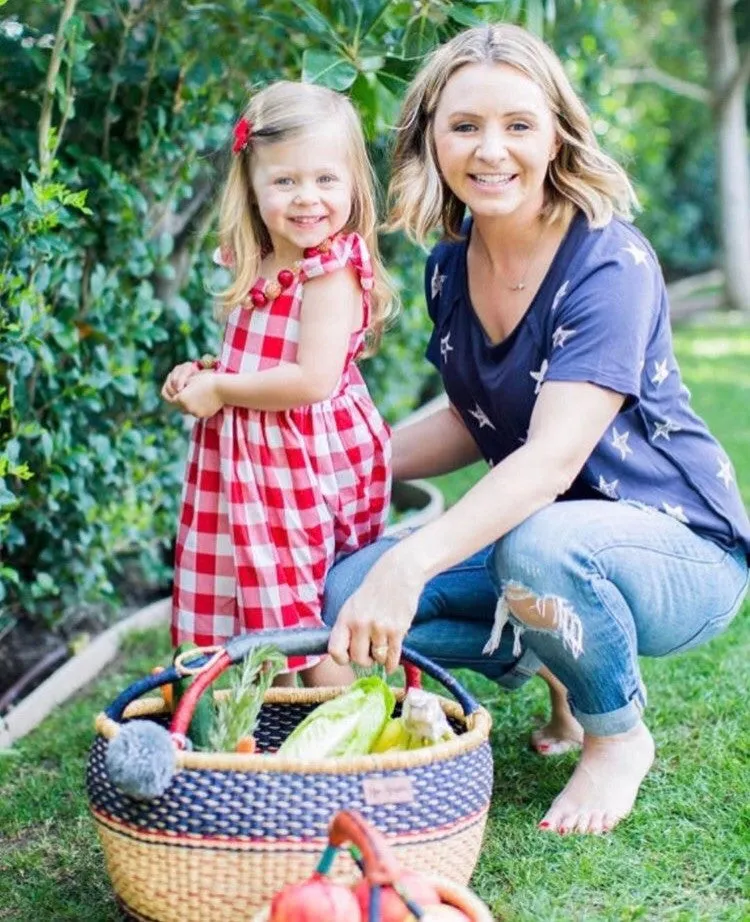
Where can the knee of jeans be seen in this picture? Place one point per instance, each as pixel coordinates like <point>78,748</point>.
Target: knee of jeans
<point>346,576</point>
<point>337,590</point>
<point>525,554</point>
<point>531,611</point>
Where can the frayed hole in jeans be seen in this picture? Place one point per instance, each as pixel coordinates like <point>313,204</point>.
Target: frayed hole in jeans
<point>564,620</point>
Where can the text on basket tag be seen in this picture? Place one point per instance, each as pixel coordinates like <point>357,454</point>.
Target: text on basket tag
<point>388,791</point>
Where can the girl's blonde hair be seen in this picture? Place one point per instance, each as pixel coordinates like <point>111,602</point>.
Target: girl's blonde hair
<point>581,174</point>
<point>277,113</point>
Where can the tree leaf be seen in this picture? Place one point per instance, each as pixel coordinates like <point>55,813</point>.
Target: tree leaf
<point>535,16</point>
<point>328,69</point>
<point>371,12</point>
<point>316,19</point>
<point>363,93</point>
<point>458,12</point>
<point>394,85</point>
<point>420,37</point>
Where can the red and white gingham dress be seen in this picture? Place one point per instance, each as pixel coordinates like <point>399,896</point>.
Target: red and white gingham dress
<point>272,498</point>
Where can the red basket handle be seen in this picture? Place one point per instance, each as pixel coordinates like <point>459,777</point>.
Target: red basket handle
<point>412,675</point>
<point>380,865</point>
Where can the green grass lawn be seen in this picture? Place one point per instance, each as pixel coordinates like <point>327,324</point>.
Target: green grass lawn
<point>683,855</point>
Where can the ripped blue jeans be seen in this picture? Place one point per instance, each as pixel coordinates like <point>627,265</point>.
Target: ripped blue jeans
<point>612,581</point>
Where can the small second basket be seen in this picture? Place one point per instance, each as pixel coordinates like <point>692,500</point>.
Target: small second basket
<point>380,868</point>
<point>230,830</point>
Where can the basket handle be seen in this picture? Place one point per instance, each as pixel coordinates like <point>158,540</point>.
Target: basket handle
<point>290,642</point>
<point>378,861</point>
<point>306,641</point>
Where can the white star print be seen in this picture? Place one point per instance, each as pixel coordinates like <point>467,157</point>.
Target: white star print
<point>665,429</point>
<point>445,346</point>
<point>639,255</point>
<point>661,372</point>
<point>608,489</point>
<point>559,295</point>
<point>560,335</point>
<point>538,376</point>
<point>436,282</point>
<point>620,442</point>
<point>481,417</point>
<point>677,512</point>
<point>725,472</point>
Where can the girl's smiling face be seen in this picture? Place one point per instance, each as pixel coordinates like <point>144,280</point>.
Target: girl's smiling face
<point>494,139</point>
<point>303,187</point>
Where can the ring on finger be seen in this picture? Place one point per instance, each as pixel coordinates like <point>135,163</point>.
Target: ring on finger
<point>380,650</point>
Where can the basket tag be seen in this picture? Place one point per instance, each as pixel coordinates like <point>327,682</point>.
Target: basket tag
<point>388,791</point>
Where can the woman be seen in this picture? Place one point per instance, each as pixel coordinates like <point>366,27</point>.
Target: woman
<point>551,334</point>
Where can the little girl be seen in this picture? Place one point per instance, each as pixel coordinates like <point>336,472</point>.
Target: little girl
<point>289,461</point>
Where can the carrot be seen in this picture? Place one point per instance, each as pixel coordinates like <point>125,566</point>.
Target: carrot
<point>245,744</point>
<point>166,690</point>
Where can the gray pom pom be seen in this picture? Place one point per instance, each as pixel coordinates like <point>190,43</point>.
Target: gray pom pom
<point>141,759</point>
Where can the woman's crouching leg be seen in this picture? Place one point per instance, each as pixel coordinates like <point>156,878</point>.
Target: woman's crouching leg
<point>588,586</point>
<point>550,595</point>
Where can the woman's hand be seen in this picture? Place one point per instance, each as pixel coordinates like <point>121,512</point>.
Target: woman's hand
<point>373,622</point>
<point>177,378</point>
<point>200,397</point>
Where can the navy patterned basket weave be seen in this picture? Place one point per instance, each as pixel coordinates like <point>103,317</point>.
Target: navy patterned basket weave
<point>231,829</point>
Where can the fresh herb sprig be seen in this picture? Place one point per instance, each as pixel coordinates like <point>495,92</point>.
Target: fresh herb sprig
<point>237,710</point>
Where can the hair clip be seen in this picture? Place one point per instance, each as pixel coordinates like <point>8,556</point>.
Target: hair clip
<point>243,133</point>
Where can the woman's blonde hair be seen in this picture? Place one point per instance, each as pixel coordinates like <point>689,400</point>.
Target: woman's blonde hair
<point>283,110</point>
<point>581,174</point>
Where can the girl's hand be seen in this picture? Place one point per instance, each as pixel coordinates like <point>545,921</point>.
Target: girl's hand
<point>200,397</point>
<point>373,622</point>
<point>177,378</point>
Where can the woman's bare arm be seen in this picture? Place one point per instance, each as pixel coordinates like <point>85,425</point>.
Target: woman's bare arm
<point>437,444</point>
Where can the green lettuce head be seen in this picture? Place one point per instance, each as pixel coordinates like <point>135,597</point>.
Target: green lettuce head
<point>347,725</point>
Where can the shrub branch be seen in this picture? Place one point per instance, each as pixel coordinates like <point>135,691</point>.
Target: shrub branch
<point>45,119</point>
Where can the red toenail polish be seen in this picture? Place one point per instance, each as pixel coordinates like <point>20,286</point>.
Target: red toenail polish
<point>544,825</point>
<point>562,830</point>
<point>542,747</point>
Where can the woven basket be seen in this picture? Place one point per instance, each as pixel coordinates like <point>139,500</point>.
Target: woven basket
<point>231,830</point>
<point>380,867</point>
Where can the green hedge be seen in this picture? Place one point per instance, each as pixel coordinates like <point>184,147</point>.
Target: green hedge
<point>120,114</point>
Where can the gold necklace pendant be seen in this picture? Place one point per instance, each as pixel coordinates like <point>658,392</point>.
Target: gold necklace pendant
<point>521,283</point>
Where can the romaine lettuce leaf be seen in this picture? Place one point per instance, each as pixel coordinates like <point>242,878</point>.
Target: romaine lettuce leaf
<point>347,725</point>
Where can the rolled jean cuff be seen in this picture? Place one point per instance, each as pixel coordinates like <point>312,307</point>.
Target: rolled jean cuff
<point>611,723</point>
<point>524,668</point>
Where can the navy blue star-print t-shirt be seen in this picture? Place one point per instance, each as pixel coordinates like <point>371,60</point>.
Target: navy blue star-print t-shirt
<point>601,315</point>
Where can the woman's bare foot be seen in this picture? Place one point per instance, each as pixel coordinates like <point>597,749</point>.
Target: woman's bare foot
<point>603,787</point>
<point>562,732</point>
<point>557,736</point>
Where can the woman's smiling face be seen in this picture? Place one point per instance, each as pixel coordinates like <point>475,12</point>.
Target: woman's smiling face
<point>494,139</point>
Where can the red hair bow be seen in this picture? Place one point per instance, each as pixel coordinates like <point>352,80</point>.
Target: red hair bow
<point>243,132</point>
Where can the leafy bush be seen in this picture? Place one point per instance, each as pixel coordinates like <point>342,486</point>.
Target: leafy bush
<point>86,450</point>
<point>120,113</point>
